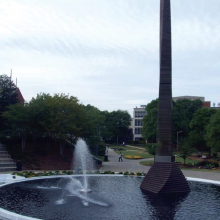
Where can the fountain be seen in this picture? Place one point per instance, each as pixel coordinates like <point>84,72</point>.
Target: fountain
<point>115,196</point>
<point>83,162</point>
<point>110,197</point>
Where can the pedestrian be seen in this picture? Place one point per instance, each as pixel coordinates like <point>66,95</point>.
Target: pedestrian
<point>123,143</point>
<point>106,149</point>
<point>120,157</point>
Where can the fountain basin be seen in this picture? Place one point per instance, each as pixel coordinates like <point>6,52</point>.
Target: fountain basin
<point>112,197</point>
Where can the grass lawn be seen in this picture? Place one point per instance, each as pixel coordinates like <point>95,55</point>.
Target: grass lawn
<point>178,159</point>
<point>129,151</point>
<point>188,160</point>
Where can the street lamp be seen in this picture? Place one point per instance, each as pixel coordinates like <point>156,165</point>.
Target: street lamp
<point>178,140</point>
<point>99,129</point>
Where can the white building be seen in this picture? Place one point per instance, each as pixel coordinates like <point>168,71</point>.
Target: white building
<point>137,122</point>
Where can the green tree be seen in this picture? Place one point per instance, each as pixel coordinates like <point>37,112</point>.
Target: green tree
<point>17,117</point>
<point>180,122</point>
<point>200,120</point>
<point>8,96</point>
<point>183,111</point>
<point>95,119</point>
<point>117,123</point>
<point>185,150</point>
<point>39,117</point>
<point>149,130</point>
<point>95,125</point>
<point>189,107</point>
<point>152,149</point>
<point>212,136</point>
<point>67,119</point>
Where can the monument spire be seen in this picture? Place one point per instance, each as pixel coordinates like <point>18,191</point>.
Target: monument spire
<point>165,176</point>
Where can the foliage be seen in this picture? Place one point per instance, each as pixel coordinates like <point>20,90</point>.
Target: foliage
<point>200,120</point>
<point>213,133</point>
<point>29,174</point>
<point>17,117</point>
<point>180,122</point>
<point>185,150</point>
<point>8,96</point>
<point>62,118</point>
<point>183,111</point>
<point>205,163</point>
<point>152,149</point>
<point>149,130</point>
<point>95,121</point>
<point>190,107</point>
<point>39,110</point>
<point>117,123</point>
<point>109,172</point>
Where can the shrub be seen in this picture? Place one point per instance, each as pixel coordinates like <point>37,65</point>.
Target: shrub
<point>126,173</point>
<point>205,163</point>
<point>109,172</point>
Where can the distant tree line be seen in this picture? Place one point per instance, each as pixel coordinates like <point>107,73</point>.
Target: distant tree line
<point>57,117</point>
<point>200,127</point>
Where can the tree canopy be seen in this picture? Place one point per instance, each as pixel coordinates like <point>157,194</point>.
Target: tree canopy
<point>213,133</point>
<point>8,96</point>
<point>61,117</point>
<point>183,111</point>
<point>198,125</point>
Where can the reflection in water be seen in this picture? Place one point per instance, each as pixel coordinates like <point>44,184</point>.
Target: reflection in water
<point>164,206</point>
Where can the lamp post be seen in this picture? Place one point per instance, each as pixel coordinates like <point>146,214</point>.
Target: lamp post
<point>178,140</point>
<point>99,129</point>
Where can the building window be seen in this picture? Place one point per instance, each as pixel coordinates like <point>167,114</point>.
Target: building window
<point>138,122</point>
<point>138,130</point>
<point>140,114</point>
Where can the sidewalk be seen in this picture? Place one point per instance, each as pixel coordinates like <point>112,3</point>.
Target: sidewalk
<point>135,166</point>
<point>127,165</point>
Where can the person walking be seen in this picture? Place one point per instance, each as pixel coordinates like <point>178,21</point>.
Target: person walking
<point>107,148</point>
<point>120,157</point>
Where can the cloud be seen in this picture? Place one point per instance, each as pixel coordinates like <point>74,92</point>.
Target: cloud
<point>107,52</point>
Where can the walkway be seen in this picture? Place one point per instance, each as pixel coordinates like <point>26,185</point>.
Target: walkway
<point>126,165</point>
<point>135,166</point>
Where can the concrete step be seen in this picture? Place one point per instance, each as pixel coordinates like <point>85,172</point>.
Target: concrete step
<point>12,164</point>
<point>4,169</point>
<point>5,156</point>
<point>2,148</point>
<point>5,160</point>
<point>3,153</point>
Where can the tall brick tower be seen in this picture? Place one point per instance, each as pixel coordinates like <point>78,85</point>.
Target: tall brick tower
<point>165,176</point>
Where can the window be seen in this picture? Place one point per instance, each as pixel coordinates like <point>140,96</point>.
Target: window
<point>138,122</point>
<point>140,114</point>
<point>138,130</point>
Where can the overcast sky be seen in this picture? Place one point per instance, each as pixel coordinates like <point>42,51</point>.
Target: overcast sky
<point>106,52</point>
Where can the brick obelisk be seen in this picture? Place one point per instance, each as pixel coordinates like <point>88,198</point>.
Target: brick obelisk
<point>165,176</point>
